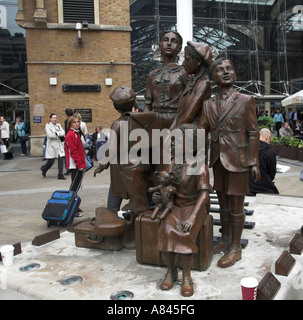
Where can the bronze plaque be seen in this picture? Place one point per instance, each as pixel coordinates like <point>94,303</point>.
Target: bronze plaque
<point>46,237</point>
<point>268,287</point>
<point>86,114</point>
<point>296,244</point>
<point>284,264</point>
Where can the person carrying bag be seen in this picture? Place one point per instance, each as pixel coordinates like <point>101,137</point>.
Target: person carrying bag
<point>75,157</point>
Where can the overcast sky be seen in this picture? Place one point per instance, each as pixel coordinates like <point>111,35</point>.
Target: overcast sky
<point>11,11</point>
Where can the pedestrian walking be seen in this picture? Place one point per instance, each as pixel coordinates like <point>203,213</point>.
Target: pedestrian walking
<point>75,157</point>
<point>21,134</point>
<point>68,112</point>
<point>54,147</point>
<point>4,134</point>
<point>279,120</point>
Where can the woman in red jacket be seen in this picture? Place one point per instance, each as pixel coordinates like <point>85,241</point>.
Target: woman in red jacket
<point>74,153</point>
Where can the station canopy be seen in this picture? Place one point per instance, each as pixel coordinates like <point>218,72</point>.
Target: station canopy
<point>294,99</point>
<point>263,38</point>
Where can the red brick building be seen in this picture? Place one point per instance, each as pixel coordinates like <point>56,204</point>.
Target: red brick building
<point>77,53</point>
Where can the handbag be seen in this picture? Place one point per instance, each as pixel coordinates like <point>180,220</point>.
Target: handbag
<point>301,175</point>
<point>89,163</point>
<point>3,148</point>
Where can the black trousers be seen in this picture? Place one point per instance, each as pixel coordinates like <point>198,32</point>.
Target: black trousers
<point>76,176</point>
<point>278,127</point>
<point>49,163</point>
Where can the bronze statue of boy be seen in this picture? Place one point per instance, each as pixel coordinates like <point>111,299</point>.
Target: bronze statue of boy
<point>230,119</point>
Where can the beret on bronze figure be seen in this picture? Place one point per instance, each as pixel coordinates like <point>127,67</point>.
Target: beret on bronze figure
<point>203,51</point>
<point>123,96</point>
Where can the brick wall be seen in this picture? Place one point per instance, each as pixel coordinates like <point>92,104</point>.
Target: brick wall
<point>114,12</point>
<point>54,52</point>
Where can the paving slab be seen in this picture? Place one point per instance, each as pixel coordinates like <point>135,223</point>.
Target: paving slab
<point>24,192</point>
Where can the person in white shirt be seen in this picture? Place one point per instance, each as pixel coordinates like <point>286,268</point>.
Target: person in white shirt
<point>4,130</point>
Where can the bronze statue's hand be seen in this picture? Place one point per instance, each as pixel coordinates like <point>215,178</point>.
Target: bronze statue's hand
<point>255,173</point>
<point>98,170</point>
<point>186,226</point>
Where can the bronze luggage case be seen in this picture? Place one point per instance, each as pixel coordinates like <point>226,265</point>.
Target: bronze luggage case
<point>86,237</point>
<point>146,243</point>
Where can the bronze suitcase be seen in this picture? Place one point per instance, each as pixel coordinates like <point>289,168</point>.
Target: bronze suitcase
<point>86,237</point>
<point>146,232</point>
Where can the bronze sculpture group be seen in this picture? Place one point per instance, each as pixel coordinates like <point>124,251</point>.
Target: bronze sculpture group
<point>180,97</point>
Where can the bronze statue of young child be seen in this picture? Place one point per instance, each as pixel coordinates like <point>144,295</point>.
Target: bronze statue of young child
<point>163,194</point>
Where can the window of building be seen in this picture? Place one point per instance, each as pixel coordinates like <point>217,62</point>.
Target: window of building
<point>73,11</point>
<point>13,75</point>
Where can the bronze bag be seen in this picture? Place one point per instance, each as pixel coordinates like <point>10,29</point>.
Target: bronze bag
<point>106,231</point>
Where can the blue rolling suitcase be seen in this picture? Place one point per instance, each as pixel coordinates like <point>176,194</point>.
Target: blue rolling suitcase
<point>61,208</point>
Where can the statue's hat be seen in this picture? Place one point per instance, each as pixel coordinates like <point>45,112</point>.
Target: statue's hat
<point>123,96</point>
<point>203,51</point>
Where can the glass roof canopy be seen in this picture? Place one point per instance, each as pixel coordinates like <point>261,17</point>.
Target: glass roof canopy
<point>215,37</point>
<point>254,34</point>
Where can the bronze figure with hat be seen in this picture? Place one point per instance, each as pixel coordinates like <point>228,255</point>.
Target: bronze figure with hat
<point>198,57</point>
<point>127,180</point>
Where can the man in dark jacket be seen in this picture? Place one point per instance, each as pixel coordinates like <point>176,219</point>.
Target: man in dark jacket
<point>295,115</point>
<point>267,165</point>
